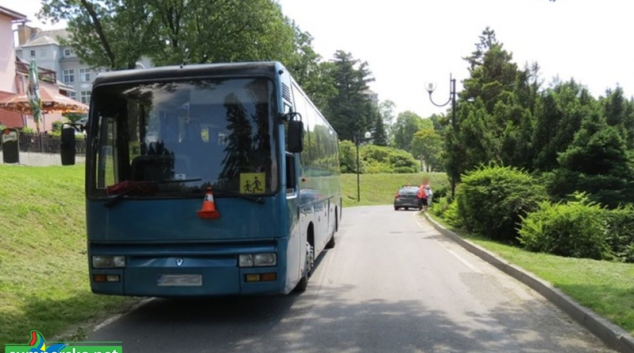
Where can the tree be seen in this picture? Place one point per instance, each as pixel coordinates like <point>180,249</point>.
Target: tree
<point>494,114</point>
<point>558,117</point>
<point>350,110</point>
<point>386,110</point>
<point>310,73</point>
<point>427,145</point>
<point>601,162</point>
<point>380,136</point>
<point>619,113</point>
<point>114,34</point>
<point>407,124</point>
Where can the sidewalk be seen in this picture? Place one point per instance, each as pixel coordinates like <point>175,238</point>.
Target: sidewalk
<point>42,159</point>
<point>613,336</point>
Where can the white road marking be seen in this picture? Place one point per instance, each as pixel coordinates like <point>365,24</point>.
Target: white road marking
<point>460,258</point>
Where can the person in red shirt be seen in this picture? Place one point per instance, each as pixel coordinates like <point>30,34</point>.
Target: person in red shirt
<point>422,196</point>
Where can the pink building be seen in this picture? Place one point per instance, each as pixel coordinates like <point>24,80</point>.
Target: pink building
<point>8,74</point>
<point>14,74</point>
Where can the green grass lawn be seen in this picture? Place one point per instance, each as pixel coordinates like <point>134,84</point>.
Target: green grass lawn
<point>43,265</point>
<point>606,288</point>
<point>379,189</point>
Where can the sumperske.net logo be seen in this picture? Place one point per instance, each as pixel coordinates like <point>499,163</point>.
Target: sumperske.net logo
<point>37,344</point>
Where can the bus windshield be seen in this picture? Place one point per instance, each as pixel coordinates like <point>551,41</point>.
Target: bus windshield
<point>174,138</point>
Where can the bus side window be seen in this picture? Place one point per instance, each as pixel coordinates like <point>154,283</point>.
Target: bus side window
<point>291,178</point>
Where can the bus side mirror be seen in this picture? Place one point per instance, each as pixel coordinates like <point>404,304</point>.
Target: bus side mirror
<point>295,136</point>
<point>68,145</point>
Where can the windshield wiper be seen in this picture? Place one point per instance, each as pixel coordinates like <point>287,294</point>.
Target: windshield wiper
<point>143,186</point>
<point>256,199</point>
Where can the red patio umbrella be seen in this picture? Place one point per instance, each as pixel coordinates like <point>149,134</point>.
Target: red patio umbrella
<point>52,102</point>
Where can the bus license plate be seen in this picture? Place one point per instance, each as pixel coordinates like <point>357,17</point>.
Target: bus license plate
<point>180,280</point>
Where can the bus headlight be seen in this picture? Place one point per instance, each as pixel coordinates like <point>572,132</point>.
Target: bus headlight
<point>245,260</point>
<point>265,260</point>
<point>107,261</point>
<point>259,260</point>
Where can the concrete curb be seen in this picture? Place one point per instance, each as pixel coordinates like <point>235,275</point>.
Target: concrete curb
<point>613,336</point>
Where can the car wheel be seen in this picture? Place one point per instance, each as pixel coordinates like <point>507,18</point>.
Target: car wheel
<point>395,208</point>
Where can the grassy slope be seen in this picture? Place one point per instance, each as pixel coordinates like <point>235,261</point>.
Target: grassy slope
<point>43,265</point>
<point>379,189</point>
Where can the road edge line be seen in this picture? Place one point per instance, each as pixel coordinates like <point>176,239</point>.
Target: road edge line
<point>612,335</point>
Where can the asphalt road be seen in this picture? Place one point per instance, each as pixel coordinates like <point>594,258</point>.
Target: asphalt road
<point>392,284</point>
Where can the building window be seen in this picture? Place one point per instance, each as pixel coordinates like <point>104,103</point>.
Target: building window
<point>69,76</point>
<point>72,95</point>
<point>85,97</point>
<point>68,52</point>
<point>32,53</point>
<point>84,75</point>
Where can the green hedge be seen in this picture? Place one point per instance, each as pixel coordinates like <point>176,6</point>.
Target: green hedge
<point>573,229</point>
<point>492,200</point>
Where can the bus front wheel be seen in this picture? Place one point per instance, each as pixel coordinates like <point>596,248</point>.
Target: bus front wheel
<point>310,261</point>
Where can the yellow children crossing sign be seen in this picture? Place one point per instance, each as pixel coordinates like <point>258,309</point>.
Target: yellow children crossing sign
<point>252,183</point>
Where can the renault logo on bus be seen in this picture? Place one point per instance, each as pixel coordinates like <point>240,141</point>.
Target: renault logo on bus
<point>179,262</point>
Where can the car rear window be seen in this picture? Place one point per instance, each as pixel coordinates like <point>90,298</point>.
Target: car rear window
<point>408,190</point>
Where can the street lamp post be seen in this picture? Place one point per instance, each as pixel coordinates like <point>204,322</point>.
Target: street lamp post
<point>452,99</point>
<point>357,141</point>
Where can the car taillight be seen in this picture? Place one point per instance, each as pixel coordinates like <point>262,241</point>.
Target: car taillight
<point>397,196</point>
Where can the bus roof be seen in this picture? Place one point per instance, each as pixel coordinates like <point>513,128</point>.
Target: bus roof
<point>268,68</point>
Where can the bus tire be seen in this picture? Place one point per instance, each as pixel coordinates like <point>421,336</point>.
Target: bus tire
<point>302,285</point>
<point>331,244</point>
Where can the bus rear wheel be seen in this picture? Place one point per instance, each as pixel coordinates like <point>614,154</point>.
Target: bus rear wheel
<point>331,244</point>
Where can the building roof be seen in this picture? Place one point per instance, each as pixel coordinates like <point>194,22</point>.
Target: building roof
<point>14,15</point>
<point>46,38</point>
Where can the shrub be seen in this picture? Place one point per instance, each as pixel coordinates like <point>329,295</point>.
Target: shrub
<point>451,215</point>
<point>492,199</point>
<point>439,206</point>
<point>619,225</point>
<point>56,126</point>
<point>376,168</point>
<point>573,229</point>
<point>347,157</point>
<point>397,160</point>
<point>442,191</point>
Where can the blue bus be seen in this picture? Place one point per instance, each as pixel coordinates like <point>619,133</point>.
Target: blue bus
<point>241,139</point>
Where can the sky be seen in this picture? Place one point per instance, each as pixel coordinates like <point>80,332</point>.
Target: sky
<point>408,43</point>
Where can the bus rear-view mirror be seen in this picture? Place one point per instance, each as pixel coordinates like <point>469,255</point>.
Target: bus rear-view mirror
<point>295,136</point>
<point>67,146</point>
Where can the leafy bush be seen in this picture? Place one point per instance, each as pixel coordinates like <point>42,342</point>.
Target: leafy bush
<point>439,206</point>
<point>442,191</point>
<point>452,217</point>
<point>376,168</point>
<point>619,225</point>
<point>492,199</point>
<point>573,229</point>
<point>393,160</point>
<point>27,130</point>
<point>404,170</point>
<point>56,126</point>
<point>347,157</point>
<point>375,159</point>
